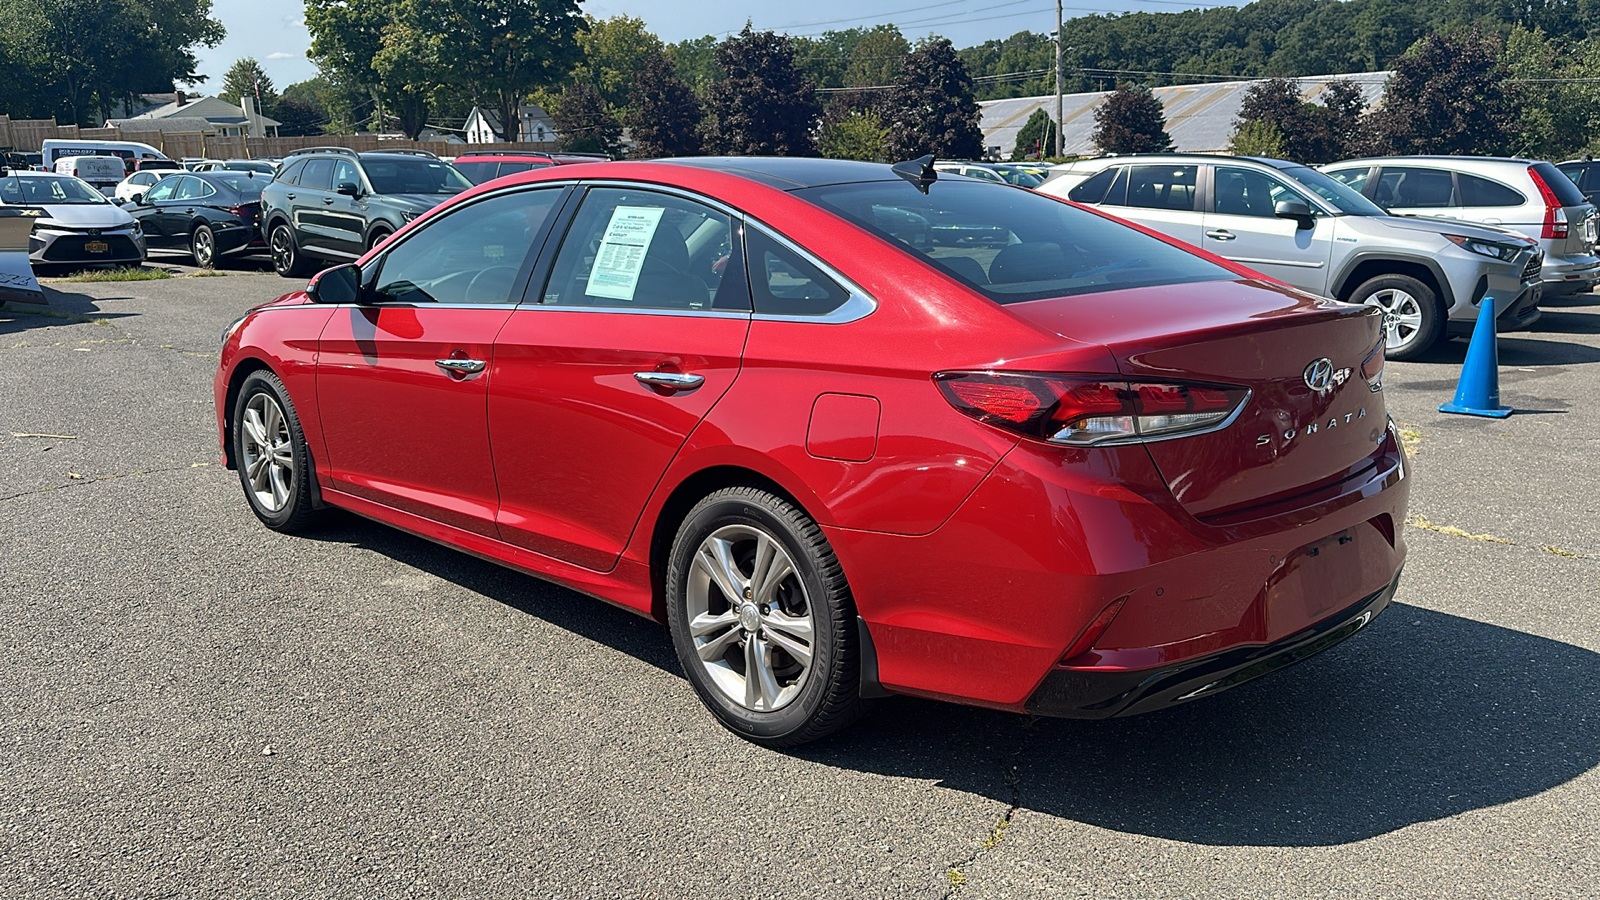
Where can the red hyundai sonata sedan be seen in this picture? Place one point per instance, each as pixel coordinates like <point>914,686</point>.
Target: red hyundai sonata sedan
<point>848,431</point>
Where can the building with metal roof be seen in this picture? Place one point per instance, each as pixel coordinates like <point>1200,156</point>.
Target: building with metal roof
<point>1200,117</point>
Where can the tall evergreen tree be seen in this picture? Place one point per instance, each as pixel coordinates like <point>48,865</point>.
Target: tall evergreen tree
<point>1036,138</point>
<point>246,77</point>
<point>763,105</point>
<point>931,109</point>
<point>663,114</point>
<point>1446,96</point>
<point>1131,120</point>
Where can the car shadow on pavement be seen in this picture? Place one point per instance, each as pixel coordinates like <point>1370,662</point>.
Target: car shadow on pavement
<point>64,308</point>
<point>1561,322</point>
<point>1425,716</point>
<point>1516,350</point>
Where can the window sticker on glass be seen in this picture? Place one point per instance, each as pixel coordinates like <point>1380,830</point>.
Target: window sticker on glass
<point>622,250</point>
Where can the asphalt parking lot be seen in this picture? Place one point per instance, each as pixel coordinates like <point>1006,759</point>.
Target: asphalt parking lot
<point>193,706</point>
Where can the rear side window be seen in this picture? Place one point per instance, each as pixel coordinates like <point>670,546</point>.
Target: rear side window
<point>291,173</point>
<point>318,175</point>
<point>1416,188</point>
<point>1566,191</point>
<point>1094,189</point>
<point>1008,243</point>
<point>1162,187</point>
<point>784,283</point>
<point>1477,191</point>
<point>1574,171</point>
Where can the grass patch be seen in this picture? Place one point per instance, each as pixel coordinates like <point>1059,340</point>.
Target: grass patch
<point>121,273</point>
<point>1410,437</point>
<point>208,273</point>
<point>1420,521</point>
<point>1557,551</point>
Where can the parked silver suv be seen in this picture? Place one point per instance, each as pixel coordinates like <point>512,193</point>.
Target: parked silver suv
<point>1309,231</point>
<point>1523,195</point>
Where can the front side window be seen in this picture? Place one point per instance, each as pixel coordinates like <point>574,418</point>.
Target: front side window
<point>1093,189</point>
<point>344,172</point>
<point>291,172</point>
<point>470,256</point>
<point>638,249</point>
<point>1355,179</point>
<point>1162,187</point>
<point>164,189</point>
<point>1248,192</point>
<point>318,175</point>
<point>413,175</point>
<point>1011,244</point>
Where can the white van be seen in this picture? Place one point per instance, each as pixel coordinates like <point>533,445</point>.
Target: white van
<point>129,152</point>
<point>104,172</point>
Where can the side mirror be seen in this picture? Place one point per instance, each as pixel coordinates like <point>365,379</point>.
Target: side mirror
<point>348,188</point>
<point>340,284</point>
<point>137,199</point>
<point>1297,209</point>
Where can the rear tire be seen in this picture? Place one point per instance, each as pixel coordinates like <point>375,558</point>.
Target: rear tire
<point>270,452</point>
<point>1413,319</point>
<point>287,260</point>
<point>203,247</point>
<point>790,619</point>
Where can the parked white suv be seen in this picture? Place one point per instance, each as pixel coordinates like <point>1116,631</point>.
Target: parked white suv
<point>1527,196</point>
<point>1309,231</point>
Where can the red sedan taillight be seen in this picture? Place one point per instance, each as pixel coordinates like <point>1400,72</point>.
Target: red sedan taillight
<point>1087,411</point>
<point>1555,218</point>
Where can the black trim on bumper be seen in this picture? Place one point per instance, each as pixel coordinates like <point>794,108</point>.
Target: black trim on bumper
<point>1087,694</point>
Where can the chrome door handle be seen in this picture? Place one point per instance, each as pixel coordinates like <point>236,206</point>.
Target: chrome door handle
<point>672,381</point>
<point>1221,234</point>
<point>328,200</point>
<point>461,366</point>
<point>288,196</point>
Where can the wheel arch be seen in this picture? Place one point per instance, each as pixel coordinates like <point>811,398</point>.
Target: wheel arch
<point>1367,267</point>
<point>242,370</point>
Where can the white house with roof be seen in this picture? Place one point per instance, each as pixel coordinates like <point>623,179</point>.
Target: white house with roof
<point>483,126</point>
<point>224,118</point>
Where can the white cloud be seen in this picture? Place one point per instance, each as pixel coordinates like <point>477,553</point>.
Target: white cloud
<point>282,55</point>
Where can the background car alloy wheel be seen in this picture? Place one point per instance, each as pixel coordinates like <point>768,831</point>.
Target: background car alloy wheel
<point>203,247</point>
<point>286,253</point>
<point>1412,319</point>
<point>762,618</point>
<point>750,618</point>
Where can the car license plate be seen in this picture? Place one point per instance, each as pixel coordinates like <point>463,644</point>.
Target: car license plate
<point>96,247</point>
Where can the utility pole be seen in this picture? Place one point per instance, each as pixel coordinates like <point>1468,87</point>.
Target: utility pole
<point>1058,78</point>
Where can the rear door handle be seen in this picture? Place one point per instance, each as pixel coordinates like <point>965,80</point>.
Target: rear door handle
<point>328,200</point>
<point>289,196</point>
<point>670,381</point>
<point>1220,234</point>
<point>465,368</point>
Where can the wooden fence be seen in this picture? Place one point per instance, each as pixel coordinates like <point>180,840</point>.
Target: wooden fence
<point>28,135</point>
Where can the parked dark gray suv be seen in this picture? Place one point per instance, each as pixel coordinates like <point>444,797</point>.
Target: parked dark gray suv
<point>331,204</point>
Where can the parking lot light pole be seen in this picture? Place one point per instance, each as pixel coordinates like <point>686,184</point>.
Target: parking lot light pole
<point>1058,78</point>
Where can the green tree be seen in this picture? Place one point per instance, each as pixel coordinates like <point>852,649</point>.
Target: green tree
<point>931,109</point>
<point>1447,96</point>
<point>1036,139</point>
<point>1258,137</point>
<point>615,52</point>
<point>247,77</point>
<point>1303,131</point>
<point>346,39</point>
<point>663,113</point>
<point>1131,120</point>
<point>339,107</point>
<point>584,121</point>
<point>763,105</point>
<point>876,57</point>
<point>854,134</point>
<point>696,62</point>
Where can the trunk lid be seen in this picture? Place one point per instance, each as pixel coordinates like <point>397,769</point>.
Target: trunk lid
<point>1313,417</point>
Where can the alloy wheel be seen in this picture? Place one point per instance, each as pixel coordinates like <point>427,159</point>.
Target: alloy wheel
<point>268,452</point>
<point>203,247</point>
<point>282,250</point>
<point>1402,316</point>
<point>750,617</point>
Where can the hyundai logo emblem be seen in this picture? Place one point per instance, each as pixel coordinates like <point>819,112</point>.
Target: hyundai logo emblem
<point>1322,377</point>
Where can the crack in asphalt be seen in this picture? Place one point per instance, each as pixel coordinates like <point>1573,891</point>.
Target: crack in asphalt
<point>956,873</point>
<point>82,480</point>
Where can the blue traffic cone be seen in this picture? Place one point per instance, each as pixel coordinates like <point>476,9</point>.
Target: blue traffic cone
<point>1478,391</point>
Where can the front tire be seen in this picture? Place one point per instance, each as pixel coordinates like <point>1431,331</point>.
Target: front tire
<point>762,619</point>
<point>270,452</point>
<point>287,260</point>
<point>203,247</point>
<point>1413,320</point>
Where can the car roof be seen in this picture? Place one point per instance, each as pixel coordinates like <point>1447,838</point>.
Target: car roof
<point>513,157</point>
<point>789,173</point>
<point>1438,157</point>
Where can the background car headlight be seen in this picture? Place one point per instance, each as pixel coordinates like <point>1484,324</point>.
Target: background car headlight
<point>1505,252</point>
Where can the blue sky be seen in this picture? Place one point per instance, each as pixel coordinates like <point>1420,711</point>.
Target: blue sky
<point>273,31</point>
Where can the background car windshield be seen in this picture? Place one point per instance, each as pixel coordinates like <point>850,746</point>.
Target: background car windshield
<point>1336,193</point>
<point>250,187</point>
<point>49,189</point>
<point>413,176</point>
<point>1012,244</point>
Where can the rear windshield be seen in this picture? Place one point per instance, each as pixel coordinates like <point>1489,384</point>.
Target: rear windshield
<point>242,182</point>
<point>1012,244</point>
<point>40,190</point>
<point>398,175</point>
<point>1566,191</point>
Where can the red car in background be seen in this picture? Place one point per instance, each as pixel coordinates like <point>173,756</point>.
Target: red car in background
<point>800,412</point>
<point>486,165</point>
